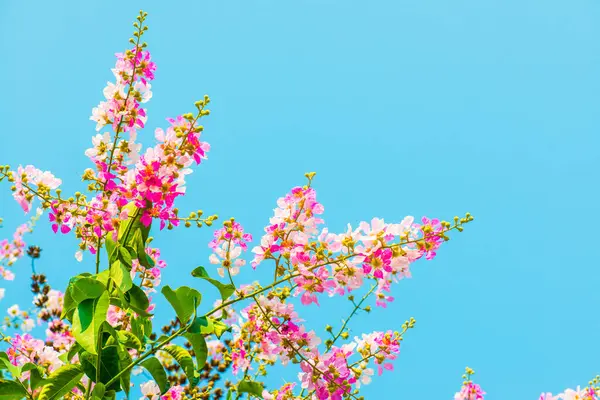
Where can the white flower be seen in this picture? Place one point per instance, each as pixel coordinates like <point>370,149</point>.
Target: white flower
<point>14,310</point>
<point>150,390</point>
<point>102,145</point>
<point>2,290</point>
<point>111,91</point>
<point>28,325</point>
<point>79,255</point>
<point>365,377</point>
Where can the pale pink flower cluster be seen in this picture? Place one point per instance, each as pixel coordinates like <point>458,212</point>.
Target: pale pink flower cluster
<point>470,391</point>
<point>570,394</point>
<point>159,175</point>
<point>215,348</point>
<point>11,251</point>
<point>133,71</point>
<point>151,391</point>
<point>273,331</point>
<point>283,393</point>
<point>20,318</point>
<point>102,218</point>
<point>331,263</point>
<point>26,349</point>
<point>227,314</point>
<point>58,334</point>
<point>335,375</point>
<point>152,180</point>
<point>43,181</point>
<point>227,246</point>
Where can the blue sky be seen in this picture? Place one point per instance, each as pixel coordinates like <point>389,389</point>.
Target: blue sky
<point>402,108</point>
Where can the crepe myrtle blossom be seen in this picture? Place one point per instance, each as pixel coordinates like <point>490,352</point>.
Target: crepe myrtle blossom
<point>283,393</point>
<point>228,244</point>
<point>27,179</point>
<point>588,393</point>
<point>24,349</point>
<point>469,389</point>
<point>151,391</point>
<point>11,250</point>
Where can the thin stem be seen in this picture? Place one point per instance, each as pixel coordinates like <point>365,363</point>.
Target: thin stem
<point>129,90</point>
<point>356,308</point>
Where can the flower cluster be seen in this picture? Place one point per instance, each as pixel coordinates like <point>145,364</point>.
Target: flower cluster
<point>24,349</point>
<point>324,262</point>
<point>26,179</point>
<point>592,392</point>
<point>469,390</point>
<point>13,249</point>
<point>227,245</point>
<point>18,318</point>
<point>151,391</point>
<point>123,174</point>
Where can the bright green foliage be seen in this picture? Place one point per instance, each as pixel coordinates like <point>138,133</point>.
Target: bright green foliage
<point>61,382</point>
<point>226,290</point>
<point>251,387</point>
<point>184,301</point>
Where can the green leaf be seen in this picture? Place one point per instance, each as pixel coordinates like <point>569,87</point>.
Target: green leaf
<point>138,301</point>
<point>140,248</point>
<point>137,328</point>
<point>72,351</point>
<point>109,365</point>
<point>61,382</point>
<point>110,395</point>
<point>183,358</point>
<point>184,301</point>
<point>129,340</point>
<point>202,325</point>
<point>111,246</point>
<point>88,317</point>
<point>99,390</point>
<point>125,257</point>
<point>35,379</point>
<point>208,326</point>
<point>28,367</point>
<point>11,390</point>
<point>131,224</point>
<point>6,364</point>
<point>147,326</point>
<point>157,371</point>
<point>124,361</point>
<point>88,363</point>
<point>69,306</point>
<point>86,288</point>
<point>35,375</point>
<point>219,328</point>
<point>226,290</point>
<point>114,336</point>
<point>64,357</point>
<point>121,276</point>
<point>200,349</point>
<point>251,387</point>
